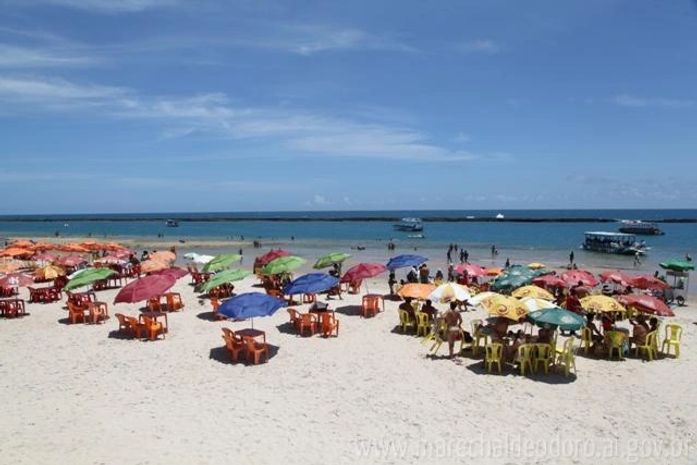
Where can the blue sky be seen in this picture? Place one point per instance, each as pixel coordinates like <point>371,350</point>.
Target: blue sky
<point>236,105</point>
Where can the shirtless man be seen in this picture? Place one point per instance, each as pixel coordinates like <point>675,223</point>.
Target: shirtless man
<point>453,321</point>
<point>639,330</point>
<point>406,306</point>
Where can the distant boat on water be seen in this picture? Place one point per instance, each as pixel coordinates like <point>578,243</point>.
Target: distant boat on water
<point>172,223</point>
<point>640,227</point>
<point>614,243</point>
<point>409,225</point>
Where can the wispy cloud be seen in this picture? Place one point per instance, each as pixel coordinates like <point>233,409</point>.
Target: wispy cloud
<point>297,131</point>
<point>488,46</point>
<point>632,101</point>
<point>17,57</point>
<point>102,6</point>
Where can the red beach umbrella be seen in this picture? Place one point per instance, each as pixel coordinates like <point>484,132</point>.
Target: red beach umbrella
<point>646,304</point>
<point>586,278</point>
<point>175,272</point>
<point>549,280</point>
<point>17,279</point>
<point>270,256</point>
<point>362,271</point>
<point>44,257</point>
<point>145,288</point>
<point>647,282</point>
<point>470,270</point>
<point>71,260</point>
<point>615,277</point>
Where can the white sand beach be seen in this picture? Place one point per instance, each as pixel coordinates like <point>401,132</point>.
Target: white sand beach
<point>76,394</point>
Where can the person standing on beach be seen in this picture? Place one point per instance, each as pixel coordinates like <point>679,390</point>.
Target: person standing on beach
<point>449,253</point>
<point>391,281</point>
<point>637,260</point>
<point>508,263</point>
<point>571,258</point>
<point>453,320</point>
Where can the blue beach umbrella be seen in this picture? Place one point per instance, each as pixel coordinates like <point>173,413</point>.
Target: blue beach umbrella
<point>310,283</point>
<point>401,261</point>
<point>249,305</point>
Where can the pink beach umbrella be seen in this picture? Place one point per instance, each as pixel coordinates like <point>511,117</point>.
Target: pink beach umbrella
<point>145,288</point>
<point>17,279</point>
<point>549,281</point>
<point>615,277</point>
<point>362,271</point>
<point>647,282</point>
<point>175,272</point>
<point>71,260</point>
<point>646,304</point>
<point>572,278</point>
<point>470,270</point>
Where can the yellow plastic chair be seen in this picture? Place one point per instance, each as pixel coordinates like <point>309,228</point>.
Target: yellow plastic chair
<point>566,358</point>
<point>649,348</point>
<point>524,357</point>
<point>543,355</point>
<point>405,321</point>
<point>493,353</point>
<point>673,337</point>
<point>586,339</point>
<point>615,340</point>
<point>436,336</point>
<point>423,324</point>
<point>477,336</point>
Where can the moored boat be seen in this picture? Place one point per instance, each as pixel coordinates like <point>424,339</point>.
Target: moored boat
<point>640,227</point>
<point>409,225</point>
<point>614,243</point>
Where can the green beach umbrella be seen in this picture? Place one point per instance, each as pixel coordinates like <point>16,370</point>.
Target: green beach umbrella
<point>221,262</point>
<point>676,264</point>
<point>559,317</point>
<point>283,265</point>
<point>223,277</point>
<point>88,276</point>
<point>330,259</point>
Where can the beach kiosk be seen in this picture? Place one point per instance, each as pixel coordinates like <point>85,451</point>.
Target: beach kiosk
<point>678,278</point>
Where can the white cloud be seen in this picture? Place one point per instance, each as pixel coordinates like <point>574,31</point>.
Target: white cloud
<point>103,6</point>
<point>298,131</point>
<point>480,46</point>
<point>627,100</point>
<point>29,57</point>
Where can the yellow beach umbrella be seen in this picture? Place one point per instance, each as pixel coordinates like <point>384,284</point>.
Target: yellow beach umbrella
<point>505,307</point>
<point>601,303</point>
<point>493,271</point>
<point>532,291</point>
<point>536,265</point>
<point>49,272</point>
<point>416,291</point>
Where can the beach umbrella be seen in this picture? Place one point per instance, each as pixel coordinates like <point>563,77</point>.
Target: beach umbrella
<point>153,266</point>
<point>506,282</point>
<point>270,256</point>
<point>89,276</point>
<point>363,271</point>
<point>43,257</point>
<point>549,280</point>
<point>9,267</point>
<point>450,291</point>
<point>22,243</point>
<point>15,252</point>
<point>311,283</point>
<point>331,259</point>
<point>71,260</point>
<point>250,305</point>
<point>221,262</point>
<point>283,264</point>
<point>73,247</point>
<point>532,291</point>
<point>17,279</point>
<point>174,271</point>
<point>225,276</point>
<point>572,278</point>
<point>646,304</point>
<point>481,297</point>
<point>470,269</point>
<point>504,307</point>
<point>534,304</point>
<point>494,271</point>
<point>401,261</point>
<point>145,288</point>
<point>615,277</point>
<point>558,317</point>
<point>43,246</point>
<point>164,256</point>
<point>536,266</point>
<point>601,303</point>
<point>49,272</point>
<point>416,291</point>
<point>111,259</point>
<point>648,282</point>
<point>676,264</point>
<point>198,258</point>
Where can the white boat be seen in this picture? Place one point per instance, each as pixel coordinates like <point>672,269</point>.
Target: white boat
<point>410,225</point>
<point>172,223</point>
<point>614,243</point>
<point>416,236</point>
<point>640,227</point>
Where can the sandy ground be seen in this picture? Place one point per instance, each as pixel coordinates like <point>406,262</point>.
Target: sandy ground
<point>76,394</point>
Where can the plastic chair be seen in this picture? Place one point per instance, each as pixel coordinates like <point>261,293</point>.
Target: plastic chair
<point>423,324</point>
<point>405,321</point>
<point>329,324</point>
<point>124,325</point>
<point>524,358</point>
<point>153,328</point>
<point>294,318</point>
<point>477,336</point>
<point>615,341</point>
<point>137,327</point>
<point>673,337</point>
<point>649,348</point>
<point>174,301</point>
<point>307,321</point>
<point>493,353</point>
<point>370,306</point>
<point>154,305</point>
<point>76,313</point>
<point>309,298</point>
<point>215,303</point>
<point>586,339</point>
<point>255,350</point>
<point>543,354</point>
<point>566,357</point>
<point>233,343</point>
<point>98,311</point>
